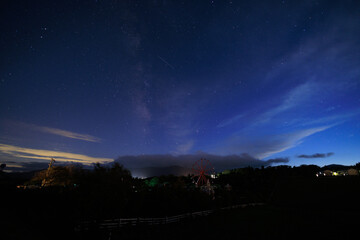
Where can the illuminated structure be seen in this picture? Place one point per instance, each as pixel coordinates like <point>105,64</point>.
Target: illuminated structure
<point>200,170</point>
<point>48,171</point>
<point>353,172</point>
<point>339,173</point>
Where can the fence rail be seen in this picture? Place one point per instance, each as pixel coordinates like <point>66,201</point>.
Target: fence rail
<point>112,224</point>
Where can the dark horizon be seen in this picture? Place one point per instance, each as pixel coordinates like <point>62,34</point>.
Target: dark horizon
<point>176,170</point>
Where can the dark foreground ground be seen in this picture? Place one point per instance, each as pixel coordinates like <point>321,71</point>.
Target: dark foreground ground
<point>295,208</point>
<point>265,222</point>
<point>261,222</point>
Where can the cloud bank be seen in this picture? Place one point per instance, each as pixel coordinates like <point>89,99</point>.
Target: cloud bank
<point>219,162</point>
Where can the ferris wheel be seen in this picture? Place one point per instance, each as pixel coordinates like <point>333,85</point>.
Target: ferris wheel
<point>202,169</point>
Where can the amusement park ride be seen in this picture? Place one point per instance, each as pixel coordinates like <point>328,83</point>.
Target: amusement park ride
<point>201,170</point>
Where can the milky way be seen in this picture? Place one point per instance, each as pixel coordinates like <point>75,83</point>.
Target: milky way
<point>103,79</point>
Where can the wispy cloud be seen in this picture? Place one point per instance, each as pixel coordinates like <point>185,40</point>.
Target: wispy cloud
<point>20,126</point>
<point>338,118</point>
<point>294,98</point>
<point>36,166</point>
<point>40,154</point>
<point>230,121</point>
<point>265,146</point>
<point>68,134</point>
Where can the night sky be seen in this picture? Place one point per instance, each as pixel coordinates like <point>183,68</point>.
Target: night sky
<point>157,83</point>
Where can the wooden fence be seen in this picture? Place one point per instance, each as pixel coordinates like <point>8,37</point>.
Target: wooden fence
<point>113,224</point>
